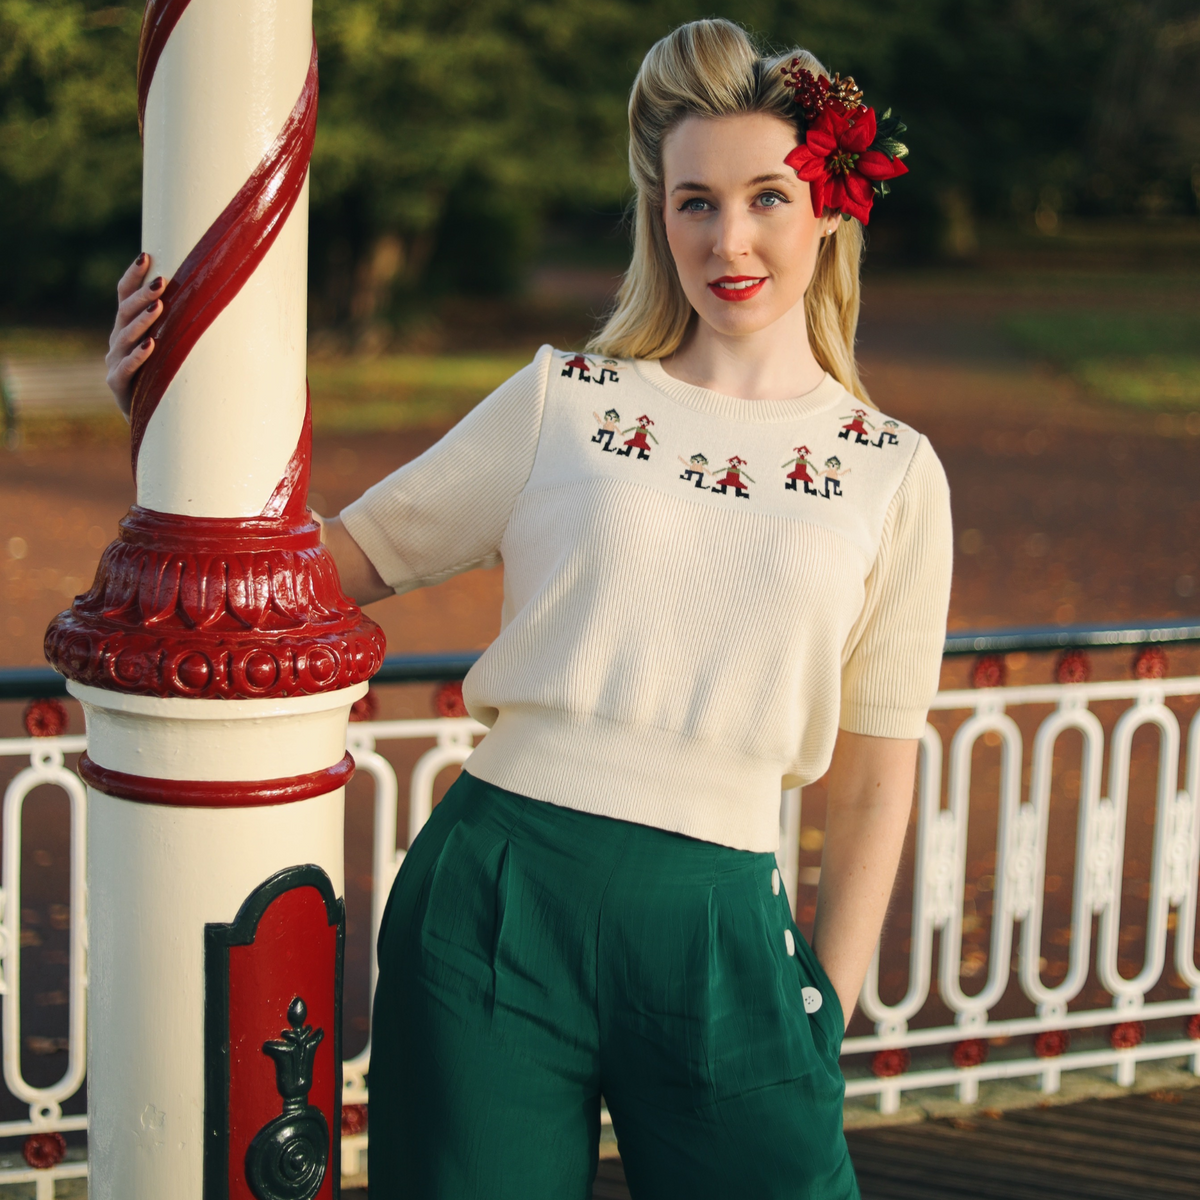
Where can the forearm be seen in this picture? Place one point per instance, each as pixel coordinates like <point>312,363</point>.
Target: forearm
<point>360,581</point>
<point>870,798</point>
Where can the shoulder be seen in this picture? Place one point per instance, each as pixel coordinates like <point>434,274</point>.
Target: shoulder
<point>881,447</point>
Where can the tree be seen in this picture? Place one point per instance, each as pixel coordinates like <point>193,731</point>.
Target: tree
<point>450,129</point>
<point>70,166</point>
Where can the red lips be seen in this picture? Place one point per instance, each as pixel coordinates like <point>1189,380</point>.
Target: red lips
<point>751,286</point>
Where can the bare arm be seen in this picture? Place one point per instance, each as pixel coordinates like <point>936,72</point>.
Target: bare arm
<point>870,797</point>
<point>360,581</point>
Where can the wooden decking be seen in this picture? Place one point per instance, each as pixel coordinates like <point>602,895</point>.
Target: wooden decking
<point>1134,1148</point>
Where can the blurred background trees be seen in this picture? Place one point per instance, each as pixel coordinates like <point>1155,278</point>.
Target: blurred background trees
<point>461,141</point>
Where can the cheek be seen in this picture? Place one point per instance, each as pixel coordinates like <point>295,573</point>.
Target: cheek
<point>795,254</point>
<point>690,252</point>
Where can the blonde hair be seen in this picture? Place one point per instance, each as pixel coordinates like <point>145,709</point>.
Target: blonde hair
<point>712,69</point>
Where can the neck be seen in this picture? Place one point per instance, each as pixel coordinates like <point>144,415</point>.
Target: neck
<point>775,363</point>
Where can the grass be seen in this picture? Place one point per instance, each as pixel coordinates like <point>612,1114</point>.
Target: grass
<point>402,391</point>
<point>1148,360</point>
<point>383,393</point>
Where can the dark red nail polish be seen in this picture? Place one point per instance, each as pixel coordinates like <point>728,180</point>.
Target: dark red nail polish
<point>146,344</point>
<point>156,283</point>
<point>152,306</point>
<point>140,261</point>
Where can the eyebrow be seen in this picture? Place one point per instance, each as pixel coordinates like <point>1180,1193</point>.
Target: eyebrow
<point>690,186</point>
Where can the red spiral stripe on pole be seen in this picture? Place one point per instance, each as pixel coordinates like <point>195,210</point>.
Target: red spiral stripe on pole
<point>159,19</point>
<point>230,251</point>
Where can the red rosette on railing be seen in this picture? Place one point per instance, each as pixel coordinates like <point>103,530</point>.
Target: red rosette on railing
<point>1073,666</point>
<point>448,700</point>
<point>1051,1043</point>
<point>1150,663</point>
<point>354,1119</point>
<point>45,718</point>
<point>990,671</point>
<point>1127,1034</point>
<point>886,1064</point>
<point>44,1150</point>
<point>971,1052</point>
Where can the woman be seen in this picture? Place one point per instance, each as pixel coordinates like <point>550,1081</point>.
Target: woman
<point>594,909</point>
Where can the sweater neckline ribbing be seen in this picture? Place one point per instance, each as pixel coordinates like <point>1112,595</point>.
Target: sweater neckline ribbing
<point>758,412</point>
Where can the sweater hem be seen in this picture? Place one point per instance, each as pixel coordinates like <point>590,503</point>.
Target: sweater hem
<point>647,776</point>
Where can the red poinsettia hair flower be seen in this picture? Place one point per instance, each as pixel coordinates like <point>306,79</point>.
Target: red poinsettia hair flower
<point>838,163</point>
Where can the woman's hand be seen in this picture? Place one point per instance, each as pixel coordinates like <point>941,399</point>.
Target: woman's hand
<point>138,307</point>
<point>870,798</point>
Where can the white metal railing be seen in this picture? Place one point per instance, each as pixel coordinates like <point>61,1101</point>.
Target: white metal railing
<point>46,1120</point>
<point>1020,848</point>
<point>1020,863</point>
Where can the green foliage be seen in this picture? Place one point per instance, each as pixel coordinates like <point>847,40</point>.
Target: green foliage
<point>450,130</point>
<point>1148,359</point>
<point>402,391</point>
<point>70,167</point>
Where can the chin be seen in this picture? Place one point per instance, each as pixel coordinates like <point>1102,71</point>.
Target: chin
<point>740,320</point>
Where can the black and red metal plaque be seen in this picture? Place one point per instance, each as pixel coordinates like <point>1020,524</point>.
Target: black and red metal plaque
<point>273,1044</point>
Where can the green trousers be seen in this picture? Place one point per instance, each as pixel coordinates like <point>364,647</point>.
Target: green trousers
<point>534,958</point>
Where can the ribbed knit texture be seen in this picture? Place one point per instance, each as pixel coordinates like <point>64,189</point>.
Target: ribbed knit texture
<point>698,589</point>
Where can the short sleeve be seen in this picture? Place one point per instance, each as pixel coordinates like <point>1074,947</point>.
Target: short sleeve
<point>892,659</point>
<point>446,511</point>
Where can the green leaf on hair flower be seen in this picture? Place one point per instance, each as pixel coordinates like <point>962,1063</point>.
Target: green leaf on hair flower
<point>891,147</point>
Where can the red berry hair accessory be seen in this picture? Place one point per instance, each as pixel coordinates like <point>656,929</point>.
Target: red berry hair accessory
<point>847,155</point>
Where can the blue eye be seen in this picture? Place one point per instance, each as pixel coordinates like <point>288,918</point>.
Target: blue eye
<point>693,205</point>
<point>772,200</point>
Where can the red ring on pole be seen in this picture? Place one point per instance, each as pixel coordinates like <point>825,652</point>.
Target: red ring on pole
<point>215,793</point>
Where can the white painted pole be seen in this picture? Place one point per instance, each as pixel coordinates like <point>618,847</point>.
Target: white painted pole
<point>216,659</point>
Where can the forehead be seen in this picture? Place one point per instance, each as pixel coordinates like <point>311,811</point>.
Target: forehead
<point>727,150</point>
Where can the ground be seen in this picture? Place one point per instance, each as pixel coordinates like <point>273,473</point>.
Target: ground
<point>1067,508</point>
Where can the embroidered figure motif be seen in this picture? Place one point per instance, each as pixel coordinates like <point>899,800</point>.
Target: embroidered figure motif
<point>608,370</point>
<point>799,471</point>
<point>733,478</point>
<point>833,475</point>
<point>694,469</point>
<point>580,364</point>
<point>610,424</point>
<point>640,431</point>
<point>887,435</point>
<point>858,426</point>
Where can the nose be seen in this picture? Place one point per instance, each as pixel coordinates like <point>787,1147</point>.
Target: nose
<point>731,236</point>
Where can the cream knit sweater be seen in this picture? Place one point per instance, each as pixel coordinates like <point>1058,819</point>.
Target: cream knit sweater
<point>698,589</point>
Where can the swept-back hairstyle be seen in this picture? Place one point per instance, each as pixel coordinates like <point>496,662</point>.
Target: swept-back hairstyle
<point>712,69</point>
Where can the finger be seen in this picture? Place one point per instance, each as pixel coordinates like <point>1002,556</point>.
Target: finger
<point>138,299</point>
<point>136,327</point>
<point>132,279</point>
<point>121,375</point>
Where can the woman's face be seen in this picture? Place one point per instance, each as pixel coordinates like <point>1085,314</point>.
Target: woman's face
<point>739,222</point>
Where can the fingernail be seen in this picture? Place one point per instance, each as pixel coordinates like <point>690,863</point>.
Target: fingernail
<point>146,344</point>
<point>156,283</point>
<point>152,306</point>
<point>140,261</point>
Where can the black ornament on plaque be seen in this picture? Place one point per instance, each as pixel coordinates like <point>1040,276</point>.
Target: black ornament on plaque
<point>288,1157</point>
